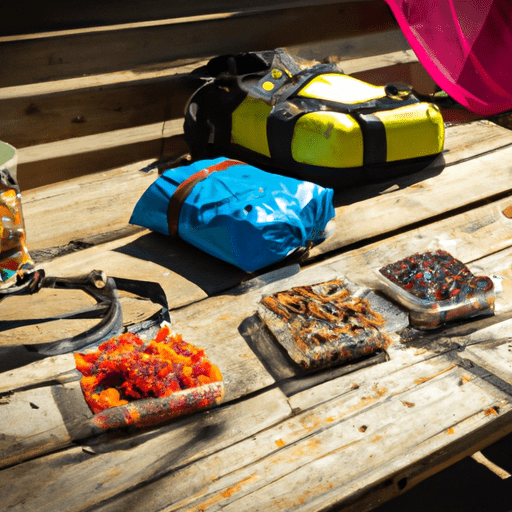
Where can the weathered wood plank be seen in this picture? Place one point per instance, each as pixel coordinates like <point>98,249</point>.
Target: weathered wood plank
<point>243,372</point>
<point>60,16</point>
<point>35,115</point>
<point>84,206</point>
<point>466,420</point>
<point>185,273</point>
<point>334,445</point>
<point>109,258</point>
<point>108,467</point>
<point>45,330</point>
<point>470,236</point>
<point>392,391</point>
<point>349,49</point>
<point>496,354</point>
<point>65,55</point>
<point>353,66</point>
<point>459,184</point>
<point>328,479</point>
<point>51,369</point>
<point>42,420</point>
<point>461,235</point>
<point>203,324</point>
<point>88,105</point>
<point>58,161</point>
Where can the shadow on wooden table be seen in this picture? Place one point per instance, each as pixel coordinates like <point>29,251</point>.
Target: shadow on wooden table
<point>467,486</point>
<point>209,273</point>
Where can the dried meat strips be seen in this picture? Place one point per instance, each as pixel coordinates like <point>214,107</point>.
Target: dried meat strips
<point>322,325</point>
<point>437,288</point>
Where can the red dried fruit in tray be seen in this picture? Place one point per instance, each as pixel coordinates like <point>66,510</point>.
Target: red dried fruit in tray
<point>126,369</point>
<point>437,288</point>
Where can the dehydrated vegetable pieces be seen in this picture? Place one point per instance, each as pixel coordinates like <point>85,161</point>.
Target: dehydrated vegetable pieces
<point>436,288</point>
<point>127,368</point>
<point>323,324</point>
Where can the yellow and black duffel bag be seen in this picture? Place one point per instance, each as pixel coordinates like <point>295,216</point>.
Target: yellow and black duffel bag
<point>317,123</point>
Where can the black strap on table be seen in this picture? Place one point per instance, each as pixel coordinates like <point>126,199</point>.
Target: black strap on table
<point>108,307</point>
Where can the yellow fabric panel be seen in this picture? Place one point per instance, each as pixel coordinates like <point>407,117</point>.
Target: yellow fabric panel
<point>342,89</point>
<point>249,125</point>
<point>328,139</point>
<point>420,124</point>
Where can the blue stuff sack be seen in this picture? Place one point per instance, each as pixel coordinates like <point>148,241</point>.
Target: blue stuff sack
<point>236,212</point>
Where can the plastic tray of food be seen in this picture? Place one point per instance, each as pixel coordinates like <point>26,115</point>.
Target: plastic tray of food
<point>132,381</point>
<point>323,324</point>
<point>436,288</point>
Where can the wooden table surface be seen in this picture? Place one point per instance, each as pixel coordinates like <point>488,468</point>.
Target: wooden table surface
<point>346,438</point>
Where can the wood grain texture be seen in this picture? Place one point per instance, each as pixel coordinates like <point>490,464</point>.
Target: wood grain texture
<point>88,52</point>
<point>48,370</point>
<point>60,16</point>
<point>135,311</point>
<point>346,438</point>
<point>58,161</point>
<point>324,454</point>
<point>179,290</point>
<point>42,420</point>
<point>348,434</point>
<point>95,104</point>
<point>471,237</point>
<point>85,206</point>
<point>463,181</point>
<point>45,116</point>
<point>107,468</point>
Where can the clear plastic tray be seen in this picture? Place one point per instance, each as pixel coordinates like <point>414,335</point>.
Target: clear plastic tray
<point>323,324</point>
<point>436,288</point>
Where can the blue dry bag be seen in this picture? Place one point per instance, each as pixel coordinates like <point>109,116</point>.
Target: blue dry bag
<point>236,212</point>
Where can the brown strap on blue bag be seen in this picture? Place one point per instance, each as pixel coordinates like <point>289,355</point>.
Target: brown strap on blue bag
<point>185,188</point>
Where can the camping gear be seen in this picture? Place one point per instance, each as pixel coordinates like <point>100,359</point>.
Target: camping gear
<point>322,325</point>
<point>108,308</point>
<point>14,256</point>
<point>465,46</point>
<point>236,212</point>
<point>436,288</point>
<point>317,123</point>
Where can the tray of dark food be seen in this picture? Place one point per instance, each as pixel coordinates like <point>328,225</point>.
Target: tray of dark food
<point>323,324</point>
<point>436,288</point>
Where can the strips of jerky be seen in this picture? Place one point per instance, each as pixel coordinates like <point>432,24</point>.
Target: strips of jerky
<point>322,325</point>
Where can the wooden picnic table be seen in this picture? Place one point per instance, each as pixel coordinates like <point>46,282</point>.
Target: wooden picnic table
<point>350,436</point>
<point>345,438</point>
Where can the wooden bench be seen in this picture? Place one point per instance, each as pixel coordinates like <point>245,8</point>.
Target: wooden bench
<point>90,99</point>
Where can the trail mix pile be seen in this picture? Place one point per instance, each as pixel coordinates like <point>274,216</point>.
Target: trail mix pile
<point>128,368</point>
